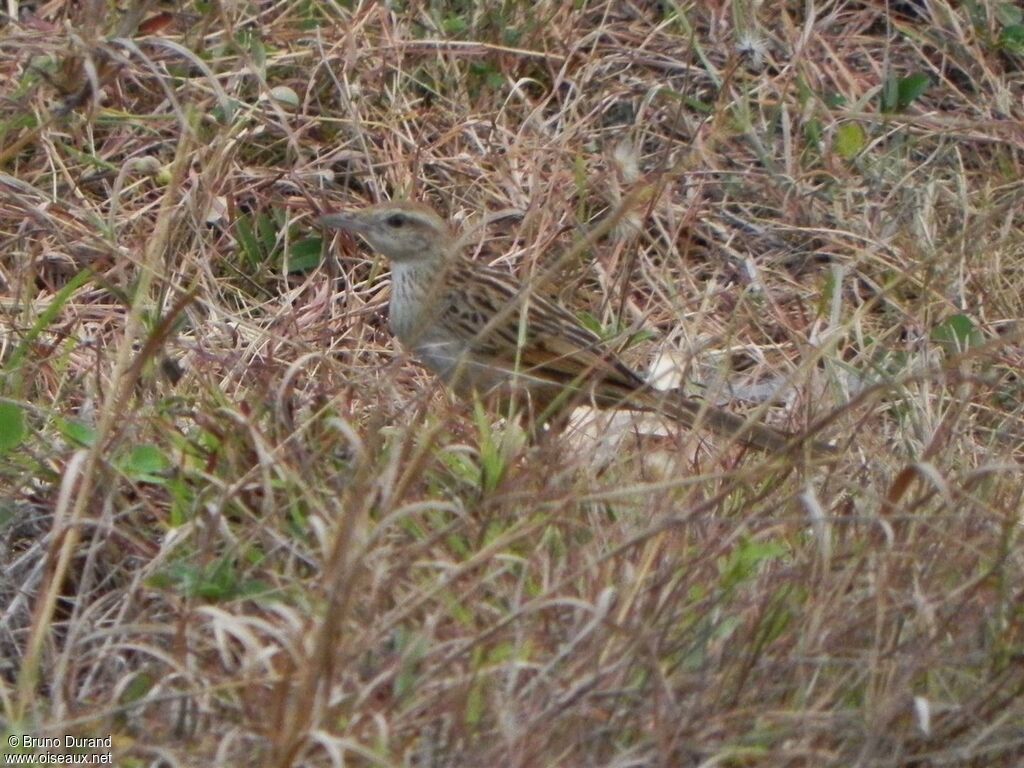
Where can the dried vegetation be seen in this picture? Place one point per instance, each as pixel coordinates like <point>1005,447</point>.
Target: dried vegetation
<point>238,526</point>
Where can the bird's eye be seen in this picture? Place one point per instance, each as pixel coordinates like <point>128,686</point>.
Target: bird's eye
<point>396,221</point>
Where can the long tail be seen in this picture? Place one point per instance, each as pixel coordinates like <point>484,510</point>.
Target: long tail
<point>686,410</point>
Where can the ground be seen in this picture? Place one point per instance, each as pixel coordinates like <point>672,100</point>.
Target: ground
<point>240,526</point>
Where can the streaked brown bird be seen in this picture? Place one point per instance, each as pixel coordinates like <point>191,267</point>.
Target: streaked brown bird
<point>486,334</point>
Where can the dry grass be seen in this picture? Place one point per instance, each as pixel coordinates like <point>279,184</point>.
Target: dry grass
<point>240,527</point>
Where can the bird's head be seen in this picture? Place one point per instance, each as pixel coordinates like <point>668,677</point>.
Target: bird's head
<point>401,231</point>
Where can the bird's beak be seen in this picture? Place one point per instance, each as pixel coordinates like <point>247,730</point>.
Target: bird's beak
<point>350,222</point>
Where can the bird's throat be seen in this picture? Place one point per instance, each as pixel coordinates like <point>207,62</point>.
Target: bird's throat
<point>415,298</point>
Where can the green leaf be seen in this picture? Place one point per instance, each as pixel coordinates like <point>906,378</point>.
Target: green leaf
<point>461,466</point>
<point>496,448</point>
<point>285,96</point>
<point>957,334</point>
<point>141,684</point>
<point>1012,39</point>
<point>12,426</point>
<point>1009,14</point>
<point>454,25</point>
<point>889,97</point>
<point>697,105</point>
<point>476,701</point>
<point>76,432</point>
<point>217,582</point>
<point>267,232</point>
<point>898,94</point>
<point>259,53</point>
<point>812,130</point>
<point>145,462</point>
<point>911,88</point>
<point>46,317</point>
<point>304,255</point>
<point>850,140</point>
<point>745,560</point>
<point>247,239</point>
<point>224,112</point>
<point>834,100</point>
<point>591,323</point>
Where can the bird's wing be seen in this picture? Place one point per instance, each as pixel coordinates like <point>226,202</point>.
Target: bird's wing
<point>555,346</point>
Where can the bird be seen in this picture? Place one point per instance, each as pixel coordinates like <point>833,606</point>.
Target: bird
<point>486,334</point>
